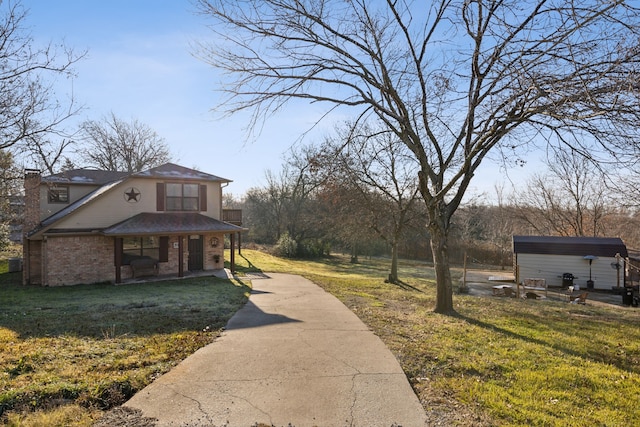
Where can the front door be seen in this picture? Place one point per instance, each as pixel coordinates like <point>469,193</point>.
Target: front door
<point>195,253</point>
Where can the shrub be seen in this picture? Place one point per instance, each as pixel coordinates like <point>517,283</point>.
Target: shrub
<point>314,248</point>
<point>286,247</point>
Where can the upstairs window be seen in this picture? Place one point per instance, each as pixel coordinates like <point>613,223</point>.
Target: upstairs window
<point>183,197</point>
<point>173,196</point>
<point>59,194</point>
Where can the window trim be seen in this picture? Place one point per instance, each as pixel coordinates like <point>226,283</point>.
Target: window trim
<point>198,201</point>
<point>182,200</point>
<point>54,189</point>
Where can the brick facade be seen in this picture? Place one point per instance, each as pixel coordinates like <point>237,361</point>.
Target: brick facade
<point>71,260</point>
<point>171,267</point>
<point>78,259</point>
<point>210,252</point>
<point>32,268</point>
<point>31,199</point>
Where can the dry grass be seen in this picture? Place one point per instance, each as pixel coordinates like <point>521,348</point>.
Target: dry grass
<point>498,361</point>
<point>68,353</point>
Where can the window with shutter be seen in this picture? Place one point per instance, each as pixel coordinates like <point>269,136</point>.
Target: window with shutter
<point>182,197</point>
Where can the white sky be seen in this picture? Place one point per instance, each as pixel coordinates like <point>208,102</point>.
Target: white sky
<point>139,66</point>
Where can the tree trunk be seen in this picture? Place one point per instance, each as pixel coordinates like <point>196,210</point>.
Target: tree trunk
<point>393,276</point>
<point>354,253</point>
<point>439,247</point>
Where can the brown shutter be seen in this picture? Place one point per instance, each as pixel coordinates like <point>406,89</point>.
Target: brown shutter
<point>164,249</point>
<point>203,198</point>
<point>160,196</point>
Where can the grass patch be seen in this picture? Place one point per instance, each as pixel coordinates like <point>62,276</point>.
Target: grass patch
<point>66,353</point>
<point>500,361</point>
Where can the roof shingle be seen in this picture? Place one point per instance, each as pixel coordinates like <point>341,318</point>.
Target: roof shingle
<point>169,223</point>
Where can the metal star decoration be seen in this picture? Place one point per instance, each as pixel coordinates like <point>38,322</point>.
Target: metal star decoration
<point>132,195</point>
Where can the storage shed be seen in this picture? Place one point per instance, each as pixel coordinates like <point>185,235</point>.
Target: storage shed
<point>595,262</point>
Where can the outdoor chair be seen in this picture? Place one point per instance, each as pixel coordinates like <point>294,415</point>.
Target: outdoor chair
<point>580,299</point>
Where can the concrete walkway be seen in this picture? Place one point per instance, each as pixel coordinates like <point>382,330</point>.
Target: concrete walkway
<point>293,356</point>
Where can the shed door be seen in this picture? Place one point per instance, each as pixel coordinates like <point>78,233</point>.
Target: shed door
<point>195,253</point>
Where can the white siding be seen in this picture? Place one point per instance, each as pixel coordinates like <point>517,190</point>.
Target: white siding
<point>551,268</point>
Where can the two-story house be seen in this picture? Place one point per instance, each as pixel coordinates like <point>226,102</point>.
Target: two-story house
<point>90,226</point>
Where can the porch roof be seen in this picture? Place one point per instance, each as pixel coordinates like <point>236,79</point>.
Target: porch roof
<point>169,223</point>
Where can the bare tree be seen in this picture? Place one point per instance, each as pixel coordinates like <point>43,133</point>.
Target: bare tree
<point>484,232</point>
<point>379,177</point>
<point>285,204</point>
<point>114,144</point>
<point>10,190</point>
<point>49,154</point>
<point>454,80</point>
<point>626,187</point>
<point>265,208</point>
<point>29,107</point>
<point>570,200</point>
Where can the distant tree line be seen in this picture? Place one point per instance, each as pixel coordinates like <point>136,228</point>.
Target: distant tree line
<point>327,199</point>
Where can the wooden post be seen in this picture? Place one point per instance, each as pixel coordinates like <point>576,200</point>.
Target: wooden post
<point>118,247</point>
<point>618,269</point>
<point>232,261</point>
<point>517,281</point>
<point>464,272</point>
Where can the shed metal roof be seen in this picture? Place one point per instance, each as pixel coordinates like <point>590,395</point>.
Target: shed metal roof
<point>582,246</point>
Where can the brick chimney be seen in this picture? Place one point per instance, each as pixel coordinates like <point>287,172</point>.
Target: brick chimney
<point>31,200</point>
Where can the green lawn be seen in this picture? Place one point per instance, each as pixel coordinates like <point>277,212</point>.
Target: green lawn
<point>91,347</point>
<point>499,361</point>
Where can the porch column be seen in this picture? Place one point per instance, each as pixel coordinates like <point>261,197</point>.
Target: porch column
<point>180,257</point>
<point>232,261</point>
<point>117,249</point>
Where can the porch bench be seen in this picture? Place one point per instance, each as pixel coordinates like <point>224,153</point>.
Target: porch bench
<point>533,285</point>
<point>144,267</point>
<point>506,290</point>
